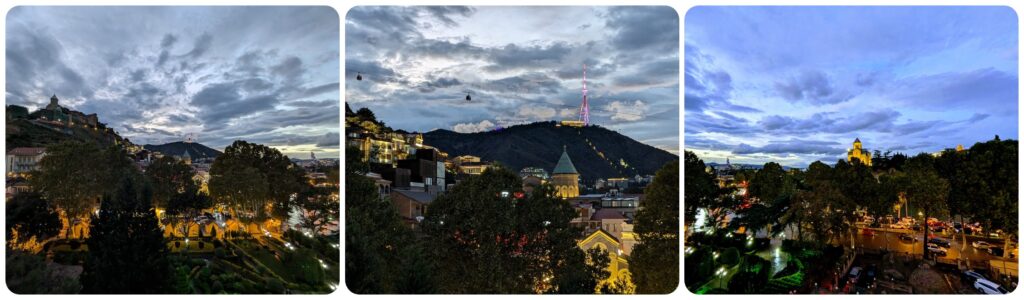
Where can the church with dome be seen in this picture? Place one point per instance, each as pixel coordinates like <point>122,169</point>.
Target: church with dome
<point>565,178</point>
<point>859,153</point>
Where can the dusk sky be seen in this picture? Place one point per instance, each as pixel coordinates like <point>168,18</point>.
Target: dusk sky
<point>519,64</point>
<point>799,84</point>
<point>267,75</point>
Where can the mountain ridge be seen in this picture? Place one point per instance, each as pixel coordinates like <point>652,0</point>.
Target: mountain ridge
<point>195,150</point>
<point>597,152</point>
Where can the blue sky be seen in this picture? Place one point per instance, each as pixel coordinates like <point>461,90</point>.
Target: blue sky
<point>267,75</point>
<point>520,64</point>
<point>799,84</point>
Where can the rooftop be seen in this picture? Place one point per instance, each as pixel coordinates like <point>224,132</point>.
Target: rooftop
<point>564,165</point>
<point>26,151</point>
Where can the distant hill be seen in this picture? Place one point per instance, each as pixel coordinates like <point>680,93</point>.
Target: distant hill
<point>25,133</point>
<point>540,145</point>
<point>195,150</point>
<point>745,166</point>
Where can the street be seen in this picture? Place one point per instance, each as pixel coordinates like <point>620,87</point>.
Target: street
<point>888,239</point>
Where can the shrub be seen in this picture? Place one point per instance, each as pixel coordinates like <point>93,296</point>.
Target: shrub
<point>274,285</point>
<point>729,257</point>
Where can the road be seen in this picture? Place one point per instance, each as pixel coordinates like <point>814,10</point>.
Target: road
<point>889,239</point>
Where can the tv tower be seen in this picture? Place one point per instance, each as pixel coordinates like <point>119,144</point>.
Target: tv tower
<point>585,109</point>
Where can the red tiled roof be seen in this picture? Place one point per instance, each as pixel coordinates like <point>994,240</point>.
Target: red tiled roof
<point>26,151</point>
<point>607,214</point>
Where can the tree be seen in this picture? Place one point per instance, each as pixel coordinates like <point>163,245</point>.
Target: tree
<point>319,206</point>
<point>32,274</point>
<point>29,216</point>
<point>74,175</point>
<point>374,234</point>
<point>572,279</point>
<point>366,114</point>
<point>504,244</point>
<point>890,193</point>
<point>770,183</point>
<point>188,205</point>
<point>654,261</point>
<point>823,200</point>
<point>169,177</point>
<point>252,176</point>
<point>926,190</point>
<point>773,188</point>
<point>856,183</point>
<point>701,190</point>
<point>991,180</point>
<point>127,251</point>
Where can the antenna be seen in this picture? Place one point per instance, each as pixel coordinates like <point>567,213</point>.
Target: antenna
<point>585,108</point>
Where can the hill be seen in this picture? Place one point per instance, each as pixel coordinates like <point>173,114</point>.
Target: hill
<point>595,151</point>
<point>26,133</point>
<point>195,150</point>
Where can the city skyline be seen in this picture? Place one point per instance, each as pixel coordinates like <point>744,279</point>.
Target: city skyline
<point>806,81</point>
<point>519,65</point>
<point>159,74</point>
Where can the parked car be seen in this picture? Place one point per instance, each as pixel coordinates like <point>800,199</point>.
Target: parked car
<point>868,278</point>
<point>983,245</point>
<point>854,274</point>
<point>868,232</point>
<point>915,228</point>
<point>908,238</point>
<point>972,276</point>
<point>995,251</point>
<point>897,226</point>
<point>932,248</point>
<point>990,288</point>
<point>939,242</point>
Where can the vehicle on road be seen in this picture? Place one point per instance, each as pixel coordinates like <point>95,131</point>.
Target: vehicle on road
<point>990,288</point>
<point>998,251</point>
<point>854,274</point>
<point>868,278</point>
<point>897,226</point>
<point>983,245</point>
<point>908,238</point>
<point>939,242</point>
<point>867,231</point>
<point>932,248</point>
<point>972,276</point>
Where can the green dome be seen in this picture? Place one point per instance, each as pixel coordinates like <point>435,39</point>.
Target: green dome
<point>564,165</point>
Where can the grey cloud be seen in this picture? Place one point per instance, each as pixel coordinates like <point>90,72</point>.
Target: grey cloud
<point>793,146</point>
<point>222,102</point>
<point>443,13</point>
<point>202,44</point>
<point>812,86</point>
<point>988,87</point>
<point>290,68</point>
<point>514,56</point>
<point>644,28</point>
<point>168,40</point>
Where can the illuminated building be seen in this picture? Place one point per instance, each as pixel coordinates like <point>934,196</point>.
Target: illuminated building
<point>564,178</point>
<point>23,160</point>
<point>859,153</point>
<point>618,266</point>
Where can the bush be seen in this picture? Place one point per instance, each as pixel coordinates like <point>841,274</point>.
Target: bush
<point>274,285</point>
<point>791,268</point>
<point>219,252</point>
<point>762,243</point>
<point>729,257</point>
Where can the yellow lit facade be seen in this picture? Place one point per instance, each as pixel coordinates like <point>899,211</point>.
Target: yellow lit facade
<point>859,153</point>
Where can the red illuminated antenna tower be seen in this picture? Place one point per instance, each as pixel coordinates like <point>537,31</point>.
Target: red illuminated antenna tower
<point>585,109</point>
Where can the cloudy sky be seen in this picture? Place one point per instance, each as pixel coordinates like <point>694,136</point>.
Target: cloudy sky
<point>799,84</point>
<point>155,74</point>
<point>519,64</point>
